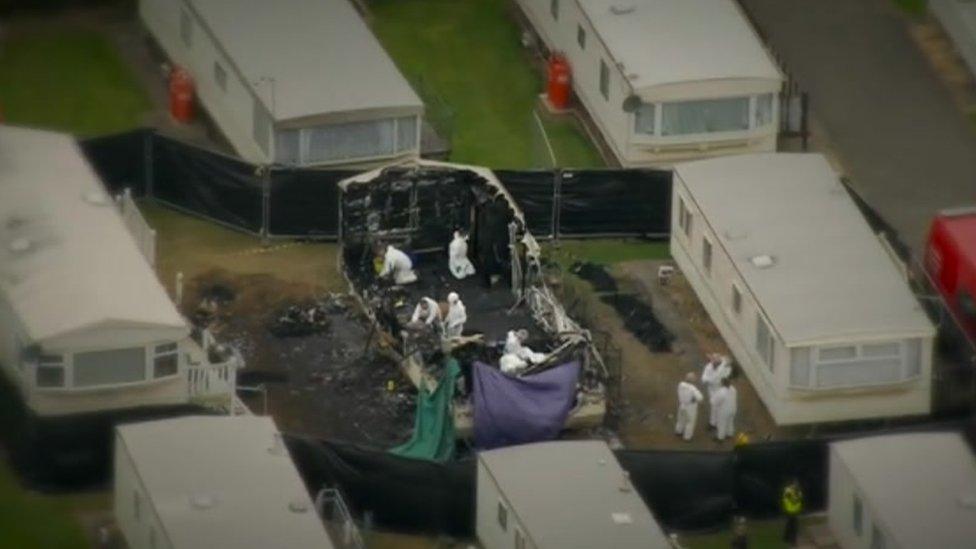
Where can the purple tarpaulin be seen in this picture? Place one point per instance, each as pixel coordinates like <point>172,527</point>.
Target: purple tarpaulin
<point>517,410</point>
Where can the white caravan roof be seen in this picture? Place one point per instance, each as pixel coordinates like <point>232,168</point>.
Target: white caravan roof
<point>921,487</point>
<point>673,41</point>
<point>67,260</point>
<point>568,494</point>
<point>831,279</point>
<point>214,482</point>
<point>322,56</point>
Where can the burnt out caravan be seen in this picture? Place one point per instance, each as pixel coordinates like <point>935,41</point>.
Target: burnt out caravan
<point>418,207</point>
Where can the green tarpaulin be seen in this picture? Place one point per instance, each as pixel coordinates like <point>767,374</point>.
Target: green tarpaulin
<point>433,430</point>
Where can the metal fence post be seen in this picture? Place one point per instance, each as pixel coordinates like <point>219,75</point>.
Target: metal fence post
<point>265,203</point>
<point>804,118</point>
<point>148,168</point>
<point>557,193</point>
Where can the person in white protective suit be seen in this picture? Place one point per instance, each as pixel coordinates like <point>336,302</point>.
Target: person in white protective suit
<point>688,398</point>
<point>457,315</point>
<point>725,401</point>
<point>397,264</point>
<point>427,311</point>
<point>515,345</point>
<point>716,369</point>
<point>511,364</point>
<point>457,256</point>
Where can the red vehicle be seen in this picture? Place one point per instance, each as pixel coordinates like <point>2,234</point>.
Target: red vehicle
<point>950,261</point>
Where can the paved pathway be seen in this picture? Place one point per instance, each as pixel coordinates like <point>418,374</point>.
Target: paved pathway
<point>908,149</point>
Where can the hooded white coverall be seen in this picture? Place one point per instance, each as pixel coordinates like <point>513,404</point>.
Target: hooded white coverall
<point>457,259</point>
<point>398,264</point>
<point>688,398</point>
<point>457,315</point>
<point>514,346</point>
<point>433,314</point>
<point>725,402</point>
<point>712,376</point>
<point>511,364</point>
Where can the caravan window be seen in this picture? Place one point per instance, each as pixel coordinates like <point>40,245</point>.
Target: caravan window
<point>764,109</point>
<point>644,119</point>
<point>110,367</point>
<point>867,364</point>
<point>502,515</point>
<point>261,122</point>
<point>604,80</point>
<point>705,116</point>
<point>166,360</point>
<point>346,141</point>
<point>50,371</point>
<point>220,76</point>
<point>581,37</point>
<point>554,9</point>
<point>707,255</point>
<point>186,28</point>
<point>764,341</point>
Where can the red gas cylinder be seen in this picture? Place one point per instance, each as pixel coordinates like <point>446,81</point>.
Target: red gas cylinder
<point>181,95</point>
<point>558,86</point>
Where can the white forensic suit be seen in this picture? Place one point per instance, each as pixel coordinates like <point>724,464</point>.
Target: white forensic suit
<point>514,346</point>
<point>712,376</point>
<point>398,264</point>
<point>511,364</point>
<point>457,315</point>
<point>688,398</point>
<point>725,403</point>
<point>457,257</point>
<point>433,314</point>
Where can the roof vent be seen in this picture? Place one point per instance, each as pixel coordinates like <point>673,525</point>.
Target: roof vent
<point>298,506</point>
<point>762,261</point>
<point>967,501</point>
<point>20,245</point>
<point>95,198</point>
<point>621,518</point>
<point>622,10</point>
<point>203,501</point>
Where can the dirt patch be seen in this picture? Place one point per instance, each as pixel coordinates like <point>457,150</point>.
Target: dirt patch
<point>678,308</point>
<point>324,382</point>
<point>646,403</point>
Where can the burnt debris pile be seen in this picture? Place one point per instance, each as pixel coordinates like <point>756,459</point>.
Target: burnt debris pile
<point>639,319</point>
<point>596,275</point>
<point>306,318</point>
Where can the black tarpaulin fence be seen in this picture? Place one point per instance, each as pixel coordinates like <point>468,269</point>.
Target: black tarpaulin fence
<point>570,203</point>
<point>687,491</point>
<point>278,201</point>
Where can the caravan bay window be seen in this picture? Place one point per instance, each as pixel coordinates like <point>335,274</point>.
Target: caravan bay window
<point>106,367</point>
<point>347,141</point>
<point>166,360</point>
<point>704,116</point>
<point>112,367</point>
<point>50,371</point>
<point>855,365</point>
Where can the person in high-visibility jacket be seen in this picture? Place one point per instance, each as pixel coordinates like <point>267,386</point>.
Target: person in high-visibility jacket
<point>792,507</point>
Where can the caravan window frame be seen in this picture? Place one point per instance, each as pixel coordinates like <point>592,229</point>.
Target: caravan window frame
<point>172,348</point>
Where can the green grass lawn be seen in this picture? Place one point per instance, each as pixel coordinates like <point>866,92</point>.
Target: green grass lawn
<point>607,251</point>
<point>914,7</point>
<point>468,53</point>
<point>29,521</point>
<point>762,535</point>
<point>64,78</point>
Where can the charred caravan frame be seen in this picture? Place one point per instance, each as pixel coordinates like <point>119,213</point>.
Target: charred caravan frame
<point>416,205</point>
